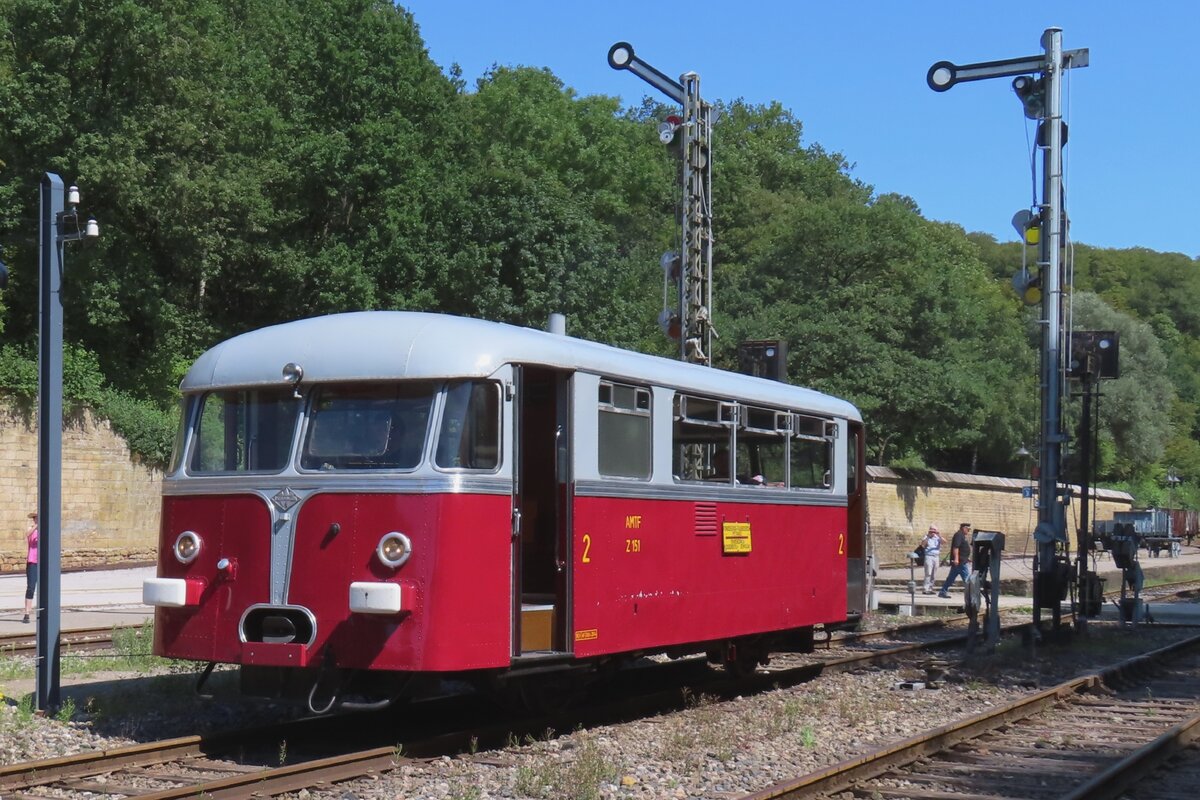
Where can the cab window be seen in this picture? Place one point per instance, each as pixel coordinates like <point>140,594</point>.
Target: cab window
<point>244,431</point>
<point>469,433</point>
<point>367,426</point>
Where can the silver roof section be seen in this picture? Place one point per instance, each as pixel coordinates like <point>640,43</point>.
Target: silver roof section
<point>389,345</point>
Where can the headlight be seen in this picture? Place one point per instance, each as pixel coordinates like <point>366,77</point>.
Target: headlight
<point>187,547</point>
<point>394,549</point>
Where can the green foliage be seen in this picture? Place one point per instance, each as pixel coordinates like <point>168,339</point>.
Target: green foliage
<point>1149,419</point>
<point>1134,409</point>
<point>18,372</point>
<point>260,161</point>
<point>880,306</point>
<point>149,430</point>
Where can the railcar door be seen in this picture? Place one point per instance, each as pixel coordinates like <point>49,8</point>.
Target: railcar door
<point>858,566</point>
<point>541,503</point>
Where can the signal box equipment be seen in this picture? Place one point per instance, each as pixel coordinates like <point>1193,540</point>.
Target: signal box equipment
<point>764,358</point>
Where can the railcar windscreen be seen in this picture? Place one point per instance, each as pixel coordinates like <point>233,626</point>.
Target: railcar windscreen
<point>244,431</point>
<point>367,426</point>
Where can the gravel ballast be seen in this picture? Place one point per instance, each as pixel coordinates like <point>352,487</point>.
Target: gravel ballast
<point>712,749</point>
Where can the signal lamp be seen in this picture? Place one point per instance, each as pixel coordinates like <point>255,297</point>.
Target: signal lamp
<point>670,265</point>
<point>1032,94</point>
<point>668,128</point>
<point>668,320</point>
<point>1028,286</point>
<point>1028,225</point>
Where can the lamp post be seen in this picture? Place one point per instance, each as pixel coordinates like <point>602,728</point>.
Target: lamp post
<point>59,224</point>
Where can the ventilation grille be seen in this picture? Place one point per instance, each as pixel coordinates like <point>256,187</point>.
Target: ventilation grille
<point>706,519</point>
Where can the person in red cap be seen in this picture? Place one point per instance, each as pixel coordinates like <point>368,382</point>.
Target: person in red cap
<point>31,564</point>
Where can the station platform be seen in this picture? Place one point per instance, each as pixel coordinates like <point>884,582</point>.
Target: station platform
<point>892,592</point>
<point>90,599</point>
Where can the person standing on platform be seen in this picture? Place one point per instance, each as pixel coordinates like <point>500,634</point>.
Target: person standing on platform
<point>933,554</point>
<point>31,564</point>
<point>960,556</point>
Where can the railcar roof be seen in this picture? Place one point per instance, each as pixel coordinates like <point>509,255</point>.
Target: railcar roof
<point>382,345</point>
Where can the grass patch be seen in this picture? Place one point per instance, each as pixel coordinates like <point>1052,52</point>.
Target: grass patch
<point>1150,583</point>
<point>579,779</point>
<point>130,652</point>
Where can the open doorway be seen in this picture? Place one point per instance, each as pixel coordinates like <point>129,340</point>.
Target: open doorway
<point>542,498</point>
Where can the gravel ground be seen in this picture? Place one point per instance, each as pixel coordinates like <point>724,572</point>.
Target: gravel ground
<point>711,750</point>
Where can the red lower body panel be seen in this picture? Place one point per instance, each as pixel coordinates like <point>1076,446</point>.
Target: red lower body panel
<point>650,573</point>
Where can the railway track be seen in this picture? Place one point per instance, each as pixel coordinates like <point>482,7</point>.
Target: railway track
<point>234,764</point>
<point>1175,589</point>
<point>1058,743</point>
<point>79,639</point>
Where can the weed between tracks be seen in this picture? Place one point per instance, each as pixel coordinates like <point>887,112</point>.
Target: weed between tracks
<point>580,779</point>
<point>130,655</point>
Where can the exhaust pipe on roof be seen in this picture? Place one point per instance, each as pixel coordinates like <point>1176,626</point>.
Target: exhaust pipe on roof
<point>557,324</point>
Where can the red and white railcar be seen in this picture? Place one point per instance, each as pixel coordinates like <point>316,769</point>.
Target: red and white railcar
<point>383,494</point>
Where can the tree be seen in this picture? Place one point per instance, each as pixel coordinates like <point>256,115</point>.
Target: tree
<point>1134,410</point>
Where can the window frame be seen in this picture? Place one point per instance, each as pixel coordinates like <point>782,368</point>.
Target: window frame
<point>438,417</point>
<point>609,405</point>
<point>193,419</point>
<point>314,396</point>
<point>810,427</point>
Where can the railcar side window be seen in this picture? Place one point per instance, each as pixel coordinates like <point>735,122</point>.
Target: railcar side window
<point>244,431</point>
<point>701,439</point>
<point>469,437</point>
<point>367,426</point>
<point>762,452</point>
<point>624,430</point>
<point>812,452</point>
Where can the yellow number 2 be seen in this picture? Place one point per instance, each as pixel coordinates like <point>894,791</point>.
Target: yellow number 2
<point>587,547</point>
<point>841,544</point>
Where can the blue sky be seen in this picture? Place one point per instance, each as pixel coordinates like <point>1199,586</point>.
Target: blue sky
<point>854,72</point>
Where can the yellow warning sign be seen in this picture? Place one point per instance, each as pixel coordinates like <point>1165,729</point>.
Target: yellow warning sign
<point>735,537</point>
<point>587,636</point>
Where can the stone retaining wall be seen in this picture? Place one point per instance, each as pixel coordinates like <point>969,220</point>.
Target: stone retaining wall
<point>110,502</point>
<point>902,506</point>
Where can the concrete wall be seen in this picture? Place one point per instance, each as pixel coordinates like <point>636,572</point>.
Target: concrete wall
<point>902,506</point>
<point>111,502</point>
<point>110,508</point>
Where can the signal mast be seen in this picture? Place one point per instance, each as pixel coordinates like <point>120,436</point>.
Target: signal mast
<point>1038,84</point>
<point>690,269</point>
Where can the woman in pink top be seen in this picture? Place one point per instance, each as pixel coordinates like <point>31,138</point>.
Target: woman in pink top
<point>31,567</point>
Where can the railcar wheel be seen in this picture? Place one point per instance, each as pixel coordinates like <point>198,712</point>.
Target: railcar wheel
<point>741,657</point>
